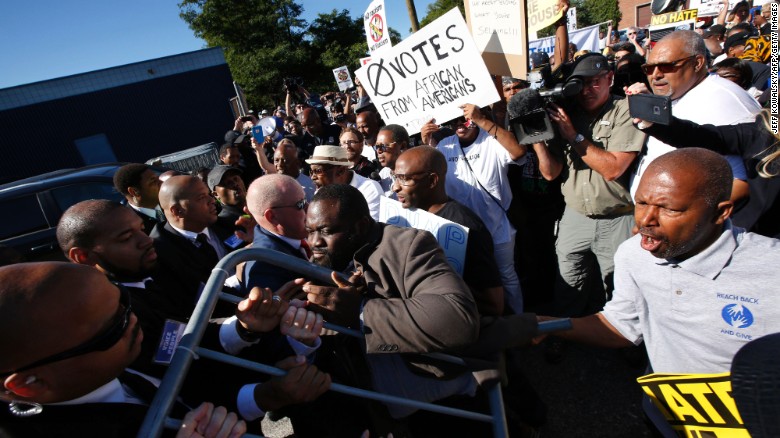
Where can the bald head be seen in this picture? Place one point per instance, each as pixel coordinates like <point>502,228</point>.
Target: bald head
<point>712,176</point>
<point>286,158</point>
<point>682,203</point>
<point>424,168</point>
<point>82,223</point>
<point>272,201</point>
<point>177,188</point>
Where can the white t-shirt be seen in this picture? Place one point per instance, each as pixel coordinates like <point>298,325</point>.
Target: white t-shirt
<point>489,162</point>
<point>386,181</point>
<point>371,190</point>
<point>715,101</point>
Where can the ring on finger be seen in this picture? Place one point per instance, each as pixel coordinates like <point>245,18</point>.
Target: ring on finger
<point>277,298</point>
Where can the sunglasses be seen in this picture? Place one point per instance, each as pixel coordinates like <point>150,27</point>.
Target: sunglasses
<point>300,205</point>
<point>383,147</point>
<point>101,342</point>
<point>666,67</point>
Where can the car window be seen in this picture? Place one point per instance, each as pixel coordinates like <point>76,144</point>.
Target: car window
<point>26,216</point>
<point>66,196</point>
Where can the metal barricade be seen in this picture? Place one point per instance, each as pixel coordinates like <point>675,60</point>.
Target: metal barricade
<point>188,349</point>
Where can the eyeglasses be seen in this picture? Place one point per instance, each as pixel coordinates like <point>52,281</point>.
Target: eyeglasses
<point>406,179</point>
<point>666,67</point>
<point>632,33</point>
<point>320,170</point>
<point>383,147</point>
<point>101,342</point>
<point>349,142</point>
<point>300,205</point>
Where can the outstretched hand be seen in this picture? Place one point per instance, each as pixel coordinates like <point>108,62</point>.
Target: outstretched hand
<point>341,304</point>
<point>207,421</point>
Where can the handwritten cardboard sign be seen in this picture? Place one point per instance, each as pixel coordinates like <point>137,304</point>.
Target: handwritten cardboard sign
<point>428,75</point>
<point>542,13</point>
<point>499,32</point>
<point>452,237</point>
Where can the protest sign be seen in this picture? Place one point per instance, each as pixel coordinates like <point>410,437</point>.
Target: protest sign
<point>710,8</point>
<point>497,29</point>
<point>585,38</point>
<point>452,237</point>
<point>541,13</point>
<point>428,75</point>
<point>672,19</point>
<point>366,60</point>
<point>696,404</point>
<point>343,79</point>
<point>375,23</point>
<point>571,18</point>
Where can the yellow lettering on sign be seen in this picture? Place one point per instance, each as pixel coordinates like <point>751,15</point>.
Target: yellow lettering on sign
<point>697,390</point>
<point>679,405</point>
<point>723,391</point>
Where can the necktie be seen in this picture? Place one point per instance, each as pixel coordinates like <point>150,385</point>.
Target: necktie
<point>206,248</point>
<point>306,248</point>
<point>159,215</point>
<point>144,390</point>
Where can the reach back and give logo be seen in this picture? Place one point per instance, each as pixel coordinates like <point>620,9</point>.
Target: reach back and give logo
<point>737,314</point>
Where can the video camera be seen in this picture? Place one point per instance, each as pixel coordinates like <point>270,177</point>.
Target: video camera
<point>527,109</point>
<point>292,84</point>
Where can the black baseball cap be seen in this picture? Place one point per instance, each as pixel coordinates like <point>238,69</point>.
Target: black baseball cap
<point>216,174</point>
<point>589,65</point>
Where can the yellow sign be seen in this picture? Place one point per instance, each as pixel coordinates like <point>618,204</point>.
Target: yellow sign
<point>541,13</point>
<point>696,404</point>
<point>673,17</point>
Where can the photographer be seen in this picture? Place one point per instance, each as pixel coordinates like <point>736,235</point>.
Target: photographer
<point>596,143</point>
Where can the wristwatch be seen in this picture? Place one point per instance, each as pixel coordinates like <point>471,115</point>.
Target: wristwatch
<point>579,139</point>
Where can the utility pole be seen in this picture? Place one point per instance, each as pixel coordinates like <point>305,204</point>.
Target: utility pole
<point>413,15</point>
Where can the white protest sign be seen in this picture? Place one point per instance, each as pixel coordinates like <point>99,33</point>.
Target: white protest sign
<point>428,75</point>
<point>452,237</point>
<point>709,8</point>
<point>496,27</point>
<point>375,23</point>
<point>343,79</point>
<point>498,31</point>
<point>366,60</point>
<point>571,17</point>
<point>585,38</point>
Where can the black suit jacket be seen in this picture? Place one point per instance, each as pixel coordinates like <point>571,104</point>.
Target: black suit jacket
<point>181,267</point>
<point>264,274</point>
<point>99,420</point>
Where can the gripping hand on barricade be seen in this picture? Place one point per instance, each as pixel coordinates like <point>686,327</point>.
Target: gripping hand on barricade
<point>262,310</point>
<point>301,324</point>
<point>207,421</point>
<point>302,384</point>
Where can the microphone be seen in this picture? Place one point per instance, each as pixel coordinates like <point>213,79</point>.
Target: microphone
<point>375,176</point>
<point>528,117</point>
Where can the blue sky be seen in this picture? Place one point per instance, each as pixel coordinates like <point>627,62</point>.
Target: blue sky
<point>45,39</point>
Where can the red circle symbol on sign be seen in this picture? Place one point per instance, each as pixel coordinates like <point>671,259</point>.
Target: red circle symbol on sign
<point>376,27</point>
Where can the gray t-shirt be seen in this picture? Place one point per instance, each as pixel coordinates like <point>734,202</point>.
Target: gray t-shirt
<point>696,314</point>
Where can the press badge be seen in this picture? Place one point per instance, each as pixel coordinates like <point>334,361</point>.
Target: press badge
<point>233,242</point>
<point>171,335</point>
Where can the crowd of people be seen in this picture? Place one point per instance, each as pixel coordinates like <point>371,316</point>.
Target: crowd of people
<point>646,235</point>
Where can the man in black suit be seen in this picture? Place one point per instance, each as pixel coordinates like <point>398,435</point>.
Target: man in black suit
<point>105,235</point>
<point>46,358</point>
<point>140,186</point>
<point>278,204</point>
<point>187,246</point>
